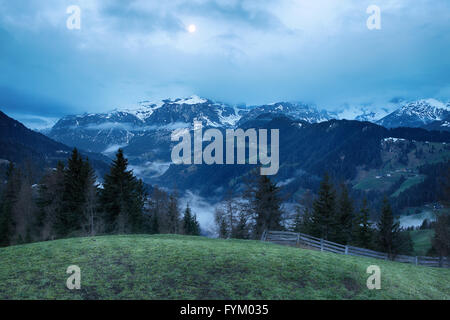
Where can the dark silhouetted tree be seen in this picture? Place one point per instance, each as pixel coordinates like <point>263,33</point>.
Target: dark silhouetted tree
<point>122,198</point>
<point>344,217</point>
<point>324,212</point>
<point>388,230</point>
<point>362,229</point>
<point>190,223</point>
<point>266,206</point>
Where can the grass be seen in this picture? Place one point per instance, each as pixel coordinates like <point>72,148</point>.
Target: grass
<point>422,241</point>
<point>181,267</point>
<point>412,181</point>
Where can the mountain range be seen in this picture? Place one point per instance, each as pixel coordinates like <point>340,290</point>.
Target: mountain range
<point>106,132</point>
<point>27,147</point>
<point>417,114</point>
<point>312,141</point>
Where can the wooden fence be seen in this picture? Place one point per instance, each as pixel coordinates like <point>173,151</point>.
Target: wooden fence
<point>301,239</point>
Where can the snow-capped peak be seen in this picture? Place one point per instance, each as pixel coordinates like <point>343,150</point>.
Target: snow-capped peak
<point>417,113</point>
<point>191,100</point>
<point>435,103</point>
<point>144,109</point>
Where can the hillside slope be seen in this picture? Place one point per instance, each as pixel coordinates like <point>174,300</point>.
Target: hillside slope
<point>20,145</point>
<point>179,267</point>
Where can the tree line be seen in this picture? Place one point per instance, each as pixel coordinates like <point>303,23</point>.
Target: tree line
<point>69,202</point>
<point>331,215</point>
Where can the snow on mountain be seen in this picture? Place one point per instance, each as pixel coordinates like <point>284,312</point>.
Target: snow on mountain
<point>144,109</point>
<point>362,113</point>
<point>417,114</point>
<point>101,132</point>
<point>297,111</point>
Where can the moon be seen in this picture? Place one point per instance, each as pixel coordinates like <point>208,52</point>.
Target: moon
<point>192,28</point>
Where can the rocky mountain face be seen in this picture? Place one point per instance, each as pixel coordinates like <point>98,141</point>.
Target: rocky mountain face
<point>439,125</point>
<point>312,140</point>
<point>417,114</point>
<point>24,146</point>
<point>106,132</point>
<point>296,111</point>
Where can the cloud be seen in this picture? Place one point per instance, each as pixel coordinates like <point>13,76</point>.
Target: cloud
<point>151,169</point>
<point>243,51</point>
<point>202,208</point>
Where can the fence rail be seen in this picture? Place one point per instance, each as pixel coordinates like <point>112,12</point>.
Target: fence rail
<point>297,239</point>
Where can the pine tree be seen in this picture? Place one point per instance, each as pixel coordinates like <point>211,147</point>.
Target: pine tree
<point>388,230</point>
<point>187,221</point>
<point>70,218</point>
<point>344,218</point>
<point>195,226</point>
<point>265,204</point>
<point>324,211</point>
<point>362,229</point>
<point>122,198</point>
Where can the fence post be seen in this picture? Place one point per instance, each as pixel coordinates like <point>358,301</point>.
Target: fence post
<point>346,250</point>
<point>298,239</point>
<point>321,245</point>
<point>417,261</point>
<point>263,237</point>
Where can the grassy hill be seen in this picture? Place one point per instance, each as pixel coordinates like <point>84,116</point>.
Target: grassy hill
<point>180,267</point>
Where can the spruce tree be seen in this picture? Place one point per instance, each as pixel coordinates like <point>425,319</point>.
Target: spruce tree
<point>187,221</point>
<point>345,218</point>
<point>388,230</point>
<point>195,226</point>
<point>362,229</point>
<point>122,198</point>
<point>324,222</point>
<point>266,206</point>
<point>70,218</point>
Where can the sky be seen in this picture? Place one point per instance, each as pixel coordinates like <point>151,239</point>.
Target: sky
<point>242,52</point>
